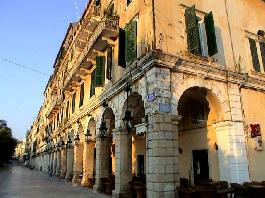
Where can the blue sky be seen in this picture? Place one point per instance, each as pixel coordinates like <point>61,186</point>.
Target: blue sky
<point>31,33</point>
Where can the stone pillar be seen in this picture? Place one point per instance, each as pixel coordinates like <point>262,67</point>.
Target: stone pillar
<point>50,162</point>
<point>123,170</point>
<point>88,162</point>
<point>63,163</point>
<point>58,163</point>
<point>162,173</point>
<point>233,162</point>
<point>54,162</point>
<point>102,160</point>
<point>69,163</point>
<point>78,164</point>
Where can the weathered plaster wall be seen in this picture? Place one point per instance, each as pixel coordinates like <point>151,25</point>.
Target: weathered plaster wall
<point>247,15</point>
<point>253,103</point>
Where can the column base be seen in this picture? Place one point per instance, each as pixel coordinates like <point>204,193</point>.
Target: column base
<point>116,194</point>
<point>76,181</point>
<point>68,177</point>
<point>63,173</point>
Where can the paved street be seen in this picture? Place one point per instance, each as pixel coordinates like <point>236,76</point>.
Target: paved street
<point>20,182</point>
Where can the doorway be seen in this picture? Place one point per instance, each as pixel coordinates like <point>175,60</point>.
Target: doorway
<point>200,165</point>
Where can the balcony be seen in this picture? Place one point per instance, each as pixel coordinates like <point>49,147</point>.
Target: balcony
<point>104,32</point>
<point>55,105</point>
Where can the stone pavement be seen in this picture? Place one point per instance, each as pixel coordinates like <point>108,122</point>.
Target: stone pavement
<point>20,182</point>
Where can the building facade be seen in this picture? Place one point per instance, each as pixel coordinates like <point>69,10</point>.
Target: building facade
<point>156,90</point>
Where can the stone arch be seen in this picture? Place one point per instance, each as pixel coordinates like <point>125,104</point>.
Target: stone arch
<point>92,126</point>
<point>136,106</point>
<point>186,84</point>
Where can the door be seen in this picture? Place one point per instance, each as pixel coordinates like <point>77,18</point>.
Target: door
<point>200,165</point>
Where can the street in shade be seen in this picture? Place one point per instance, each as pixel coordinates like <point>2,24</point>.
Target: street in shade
<point>19,182</point>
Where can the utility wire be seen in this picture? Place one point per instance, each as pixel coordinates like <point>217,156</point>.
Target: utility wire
<point>77,13</point>
<point>24,67</point>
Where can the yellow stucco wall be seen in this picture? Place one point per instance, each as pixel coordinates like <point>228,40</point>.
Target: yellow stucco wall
<point>253,103</point>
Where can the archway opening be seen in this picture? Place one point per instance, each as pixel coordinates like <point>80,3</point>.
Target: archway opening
<point>137,136</point>
<point>198,156</point>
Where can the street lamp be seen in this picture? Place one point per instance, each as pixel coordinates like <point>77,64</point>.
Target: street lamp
<point>128,119</point>
<point>77,139</point>
<point>69,141</point>
<point>88,136</point>
<point>103,129</point>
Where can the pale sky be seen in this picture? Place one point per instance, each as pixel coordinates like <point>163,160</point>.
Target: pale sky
<point>31,33</point>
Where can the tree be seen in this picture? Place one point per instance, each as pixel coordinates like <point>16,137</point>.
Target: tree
<point>7,143</point>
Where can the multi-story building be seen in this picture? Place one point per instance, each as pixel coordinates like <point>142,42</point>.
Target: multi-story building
<point>158,90</point>
<point>20,151</point>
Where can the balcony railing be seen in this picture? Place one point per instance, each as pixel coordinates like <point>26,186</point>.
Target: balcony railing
<point>108,23</point>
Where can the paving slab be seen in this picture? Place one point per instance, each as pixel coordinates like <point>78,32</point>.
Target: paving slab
<point>21,182</point>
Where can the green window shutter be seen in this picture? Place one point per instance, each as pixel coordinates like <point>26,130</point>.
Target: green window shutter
<point>109,63</point>
<point>121,59</point>
<point>262,51</point>
<point>210,33</point>
<point>73,103</point>
<point>254,54</point>
<point>131,41</point>
<point>81,101</point>
<point>92,84</point>
<point>192,29</point>
<point>67,110</point>
<point>100,71</point>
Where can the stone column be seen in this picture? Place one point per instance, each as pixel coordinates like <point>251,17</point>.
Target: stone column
<point>233,162</point>
<point>123,170</point>
<point>69,163</point>
<point>63,163</point>
<point>88,162</point>
<point>50,162</point>
<point>58,163</point>
<point>78,164</point>
<point>162,173</point>
<point>102,160</point>
<point>54,162</point>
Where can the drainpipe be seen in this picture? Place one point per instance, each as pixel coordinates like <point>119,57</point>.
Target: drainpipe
<point>154,25</point>
<point>230,34</point>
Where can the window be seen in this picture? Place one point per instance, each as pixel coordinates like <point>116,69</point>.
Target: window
<point>97,2</point>
<point>58,119</point>
<point>128,2</point>
<point>198,112</point>
<point>73,103</point>
<point>201,38</point>
<point>100,71</point>
<point>254,54</point>
<point>140,165</point>
<point>81,101</point>
<point>67,109</point>
<point>92,84</point>
<point>127,44</point>
<point>109,63</point>
<point>131,41</point>
<point>257,51</point>
<point>62,115</point>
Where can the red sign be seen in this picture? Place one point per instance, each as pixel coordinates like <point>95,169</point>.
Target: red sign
<point>255,130</point>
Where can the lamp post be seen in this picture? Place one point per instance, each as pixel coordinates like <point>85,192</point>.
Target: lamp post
<point>128,119</point>
<point>88,136</point>
<point>77,139</point>
<point>69,142</point>
<point>103,129</point>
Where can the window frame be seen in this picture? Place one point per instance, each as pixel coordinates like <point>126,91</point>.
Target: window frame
<point>204,49</point>
<point>258,40</point>
<point>81,94</point>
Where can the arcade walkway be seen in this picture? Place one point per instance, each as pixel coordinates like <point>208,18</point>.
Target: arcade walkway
<point>20,182</point>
